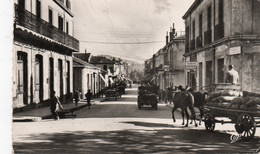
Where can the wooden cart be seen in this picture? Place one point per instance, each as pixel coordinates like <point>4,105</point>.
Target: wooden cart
<point>245,121</point>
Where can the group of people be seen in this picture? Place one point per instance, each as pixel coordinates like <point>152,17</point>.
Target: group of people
<point>56,105</point>
<point>166,95</point>
<point>76,97</point>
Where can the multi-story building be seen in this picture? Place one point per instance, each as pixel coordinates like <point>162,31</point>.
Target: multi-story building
<point>42,51</point>
<point>167,67</point>
<point>174,63</point>
<point>219,33</point>
<point>159,69</point>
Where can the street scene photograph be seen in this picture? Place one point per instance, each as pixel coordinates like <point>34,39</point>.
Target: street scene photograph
<point>134,76</point>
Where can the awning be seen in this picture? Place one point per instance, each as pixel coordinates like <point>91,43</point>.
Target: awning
<point>111,80</point>
<point>101,76</point>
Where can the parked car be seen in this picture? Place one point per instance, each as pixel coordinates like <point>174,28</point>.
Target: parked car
<point>112,93</point>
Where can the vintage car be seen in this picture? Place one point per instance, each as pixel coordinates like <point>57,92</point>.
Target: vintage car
<point>147,97</point>
<point>112,93</point>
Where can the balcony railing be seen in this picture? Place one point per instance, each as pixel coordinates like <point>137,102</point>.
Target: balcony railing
<point>219,31</point>
<point>199,41</point>
<point>28,20</point>
<point>207,37</point>
<point>192,44</point>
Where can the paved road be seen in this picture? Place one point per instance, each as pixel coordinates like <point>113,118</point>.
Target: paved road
<point>120,127</point>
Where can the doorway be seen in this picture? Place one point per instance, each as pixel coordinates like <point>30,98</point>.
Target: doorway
<point>22,78</point>
<point>38,78</point>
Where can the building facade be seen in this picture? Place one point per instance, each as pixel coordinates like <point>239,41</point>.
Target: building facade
<point>220,33</point>
<point>42,51</point>
<point>87,77</point>
<point>167,67</point>
<point>174,64</point>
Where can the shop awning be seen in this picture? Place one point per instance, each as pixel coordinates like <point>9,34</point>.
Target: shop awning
<point>101,76</point>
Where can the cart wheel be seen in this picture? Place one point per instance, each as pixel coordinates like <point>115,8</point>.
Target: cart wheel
<point>246,126</point>
<point>209,121</point>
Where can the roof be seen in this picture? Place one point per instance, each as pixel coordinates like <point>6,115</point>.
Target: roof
<point>195,4</point>
<point>81,63</point>
<point>82,56</point>
<point>100,60</point>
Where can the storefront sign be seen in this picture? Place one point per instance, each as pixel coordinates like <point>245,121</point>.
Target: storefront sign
<point>191,65</point>
<point>235,50</point>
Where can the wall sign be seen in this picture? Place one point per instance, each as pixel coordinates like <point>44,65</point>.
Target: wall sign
<point>235,50</point>
<point>191,65</point>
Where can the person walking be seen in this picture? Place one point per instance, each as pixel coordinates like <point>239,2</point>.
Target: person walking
<point>76,96</point>
<point>88,97</point>
<point>232,75</point>
<point>55,106</point>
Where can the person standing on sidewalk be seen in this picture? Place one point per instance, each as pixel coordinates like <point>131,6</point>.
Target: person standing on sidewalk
<point>55,106</point>
<point>76,96</point>
<point>88,97</point>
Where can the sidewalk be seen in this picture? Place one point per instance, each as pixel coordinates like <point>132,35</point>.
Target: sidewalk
<point>38,114</point>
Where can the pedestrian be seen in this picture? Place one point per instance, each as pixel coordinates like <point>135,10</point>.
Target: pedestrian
<point>163,95</point>
<point>102,92</point>
<point>166,96</point>
<point>170,92</point>
<point>232,75</point>
<point>88,97</point>
<point>55,106</point>
<point>76,96</point>
<point>160,95</point>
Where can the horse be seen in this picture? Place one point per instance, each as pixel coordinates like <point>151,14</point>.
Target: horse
<point>183,100</point>
<point>199,100</point>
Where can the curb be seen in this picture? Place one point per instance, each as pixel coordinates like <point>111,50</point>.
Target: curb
<point>48,116</point>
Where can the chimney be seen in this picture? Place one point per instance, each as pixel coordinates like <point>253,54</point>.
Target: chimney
<point>86,55</point>
<point>173,31</point>
<point>167,37</point>
<point>171,34</point>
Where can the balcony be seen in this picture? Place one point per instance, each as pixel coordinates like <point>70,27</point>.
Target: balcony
<point>30,21</point>
<point>207,37</point>
<point>192,44</point>
<point>219,31</point>
<point>199,41</point>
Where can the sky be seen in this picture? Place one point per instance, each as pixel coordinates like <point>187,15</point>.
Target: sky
<point>133,29</point>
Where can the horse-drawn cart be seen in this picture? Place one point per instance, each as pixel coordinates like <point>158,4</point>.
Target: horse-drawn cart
<point>246,119</point>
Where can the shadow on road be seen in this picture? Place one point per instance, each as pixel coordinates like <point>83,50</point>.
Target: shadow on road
<point>164,140</point>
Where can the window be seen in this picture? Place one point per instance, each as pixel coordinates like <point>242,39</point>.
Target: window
<point>105,67</point>
<point>38,8</point>
<point>221,11</point>
<point>21,4</point>
<point>187,39</point>
<point>68,4</point>
<point>111,69</point>
<point>60,23</point>
<point>209,18</point>
<point>193,29</point>
<point>200,25</point>
<point>67,27</point>
<point>50,17</point>
<point>221,70</point>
